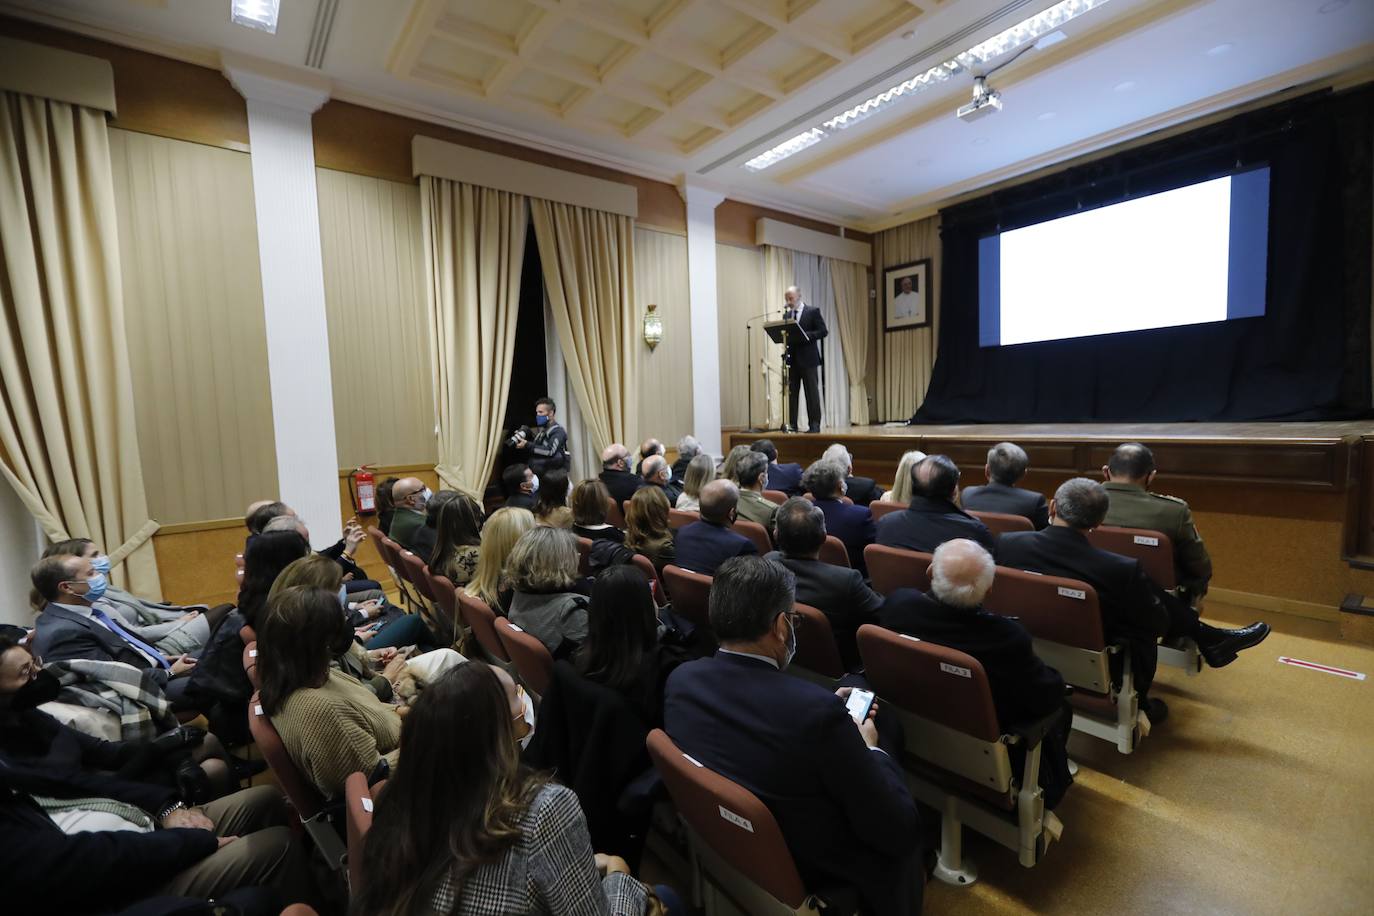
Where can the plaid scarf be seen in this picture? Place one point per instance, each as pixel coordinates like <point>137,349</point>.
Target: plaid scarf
<point>133,695</point>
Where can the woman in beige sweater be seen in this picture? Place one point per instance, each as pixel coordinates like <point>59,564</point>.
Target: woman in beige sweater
<point>331,724</point>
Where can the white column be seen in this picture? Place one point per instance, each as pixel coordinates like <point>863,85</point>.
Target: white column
<point>288,222</point>
<point>701,289</point>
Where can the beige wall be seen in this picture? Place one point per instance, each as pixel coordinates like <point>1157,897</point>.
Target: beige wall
<point>193,311</point>
<point>665,373</point>
<point>739,297</point>
<point>378,326</point>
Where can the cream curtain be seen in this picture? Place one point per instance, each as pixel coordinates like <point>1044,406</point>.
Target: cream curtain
<point>784,267</point>
<point>475,243</point>
<point>853,314</point>
<point>67,424</point>
<point>906,357</point>
<point>588,265</point>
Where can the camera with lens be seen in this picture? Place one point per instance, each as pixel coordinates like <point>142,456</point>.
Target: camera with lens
<point>524,433</point>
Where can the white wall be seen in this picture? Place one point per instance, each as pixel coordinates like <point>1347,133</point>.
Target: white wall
<point>19,549</point>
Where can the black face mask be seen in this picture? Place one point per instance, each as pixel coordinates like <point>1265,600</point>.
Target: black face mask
<point>44,688</point>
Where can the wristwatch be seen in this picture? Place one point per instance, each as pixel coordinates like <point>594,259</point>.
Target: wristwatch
<point>177,805</point>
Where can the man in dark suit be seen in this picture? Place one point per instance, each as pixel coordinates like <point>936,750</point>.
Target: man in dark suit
<point>687,448</point>
<point>615,473</point>
<point>1024,689</point>
<point>657,473</point>
<point>73,626</point>
<point>783,477</point>
<point>853,525</point>
<point>702,546</point>
<point>841,802</point>
<point>647,449</point>
<point>932,518</point>
<point>1133,608</point>
<point>863,490</point>
<point>803,355</point>
<point>520,484</point>
<point>1007,463</point>
<point>836,591</point>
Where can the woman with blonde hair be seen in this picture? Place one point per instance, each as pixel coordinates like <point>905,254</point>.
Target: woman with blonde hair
<point>727,469</point>
<point>648,531</point>
<point>499,535</point>
<point>542,571</point>
<point>901,485</point>
<point>701,470</point>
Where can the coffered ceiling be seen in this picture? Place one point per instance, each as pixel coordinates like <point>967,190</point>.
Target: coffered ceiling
<point>698,88</point>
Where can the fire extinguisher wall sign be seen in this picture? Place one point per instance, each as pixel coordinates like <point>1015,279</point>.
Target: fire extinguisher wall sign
<point>365,490</point>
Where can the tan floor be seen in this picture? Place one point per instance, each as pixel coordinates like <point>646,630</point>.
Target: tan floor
<point>1255,797</point>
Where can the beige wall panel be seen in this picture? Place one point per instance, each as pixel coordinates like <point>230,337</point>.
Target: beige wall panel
<point>905,357</point>
<point>739,297</point>
<point>375,299</point>
<point>193,311</point>
<point>665,373</point>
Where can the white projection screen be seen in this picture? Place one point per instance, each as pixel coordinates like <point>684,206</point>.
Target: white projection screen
<point>1187,256</point>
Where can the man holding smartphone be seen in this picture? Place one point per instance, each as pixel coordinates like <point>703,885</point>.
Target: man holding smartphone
<point>840,800</point>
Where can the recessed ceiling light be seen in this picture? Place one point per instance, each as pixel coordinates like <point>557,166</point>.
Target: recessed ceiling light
<point>256,14</point>
<point>1127,86</point>
<point>1332,5</point>
<point>981,141</point>
<point>1220,49</point>
<point>1046,116</point>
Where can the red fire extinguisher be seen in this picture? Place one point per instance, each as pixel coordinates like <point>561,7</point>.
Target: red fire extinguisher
<point>364,490</point>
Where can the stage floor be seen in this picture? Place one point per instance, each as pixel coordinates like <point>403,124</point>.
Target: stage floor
<point>1112,432</point>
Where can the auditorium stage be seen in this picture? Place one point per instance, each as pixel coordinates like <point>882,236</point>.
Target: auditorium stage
<point>1287,508</point>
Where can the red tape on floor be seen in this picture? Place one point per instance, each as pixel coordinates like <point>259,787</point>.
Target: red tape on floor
<point>1339,672</point>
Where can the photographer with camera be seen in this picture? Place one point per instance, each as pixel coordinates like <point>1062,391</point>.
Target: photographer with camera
<point>545,446</point>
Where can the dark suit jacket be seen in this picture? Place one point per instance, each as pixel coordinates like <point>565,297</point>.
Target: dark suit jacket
<point>702,547</point>
<point>60,635</point>
<point>622,484</point>
<point>1130,607</point>
<point>520,501</point>
<point>785,477</point>
<point>807,354</point>
<point>672,491</point>
<point>844,810</point>
<point>851,524</point>
<point>680,470</point>
<point>863,490</point>
<point>928,523</point>
<point>998,497</point>
<point>838,593</point>
<point>1024,688</point>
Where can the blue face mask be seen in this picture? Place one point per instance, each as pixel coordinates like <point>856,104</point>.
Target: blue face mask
<point>541,420</point>
<point>95,587</point>
<point>101,564</point>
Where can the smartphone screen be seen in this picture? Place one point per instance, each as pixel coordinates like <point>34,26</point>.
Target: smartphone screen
<point>858,704</point>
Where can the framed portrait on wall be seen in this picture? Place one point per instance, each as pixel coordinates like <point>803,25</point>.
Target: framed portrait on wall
<point>906,296</point>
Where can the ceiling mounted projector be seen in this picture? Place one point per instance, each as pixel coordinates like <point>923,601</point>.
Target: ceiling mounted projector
<point>985,101</point>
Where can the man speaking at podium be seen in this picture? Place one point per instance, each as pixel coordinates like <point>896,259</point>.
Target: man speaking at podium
<point>803,356</point>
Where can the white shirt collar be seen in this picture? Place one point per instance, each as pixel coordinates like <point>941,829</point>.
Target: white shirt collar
<point>762,658</point>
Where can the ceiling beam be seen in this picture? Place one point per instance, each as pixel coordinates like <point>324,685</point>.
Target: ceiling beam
<point>790,26</point>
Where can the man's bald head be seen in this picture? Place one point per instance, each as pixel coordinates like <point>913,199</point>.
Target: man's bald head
<point>650,447</point>
<point>613,455</point>
<point>404,490</point>
<point>655,470</point>
<point>961,573</point>
<point>718,499</point>
<point>1132,462</point>
<point>935,477</point>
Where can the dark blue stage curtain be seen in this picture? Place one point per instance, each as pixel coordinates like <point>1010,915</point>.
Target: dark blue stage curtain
<point>1308,358</point>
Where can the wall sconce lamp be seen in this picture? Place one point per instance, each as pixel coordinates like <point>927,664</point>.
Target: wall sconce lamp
<point>653,327</point>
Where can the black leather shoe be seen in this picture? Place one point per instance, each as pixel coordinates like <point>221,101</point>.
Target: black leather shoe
<point>1223,650</point>
<point>1155,710</point>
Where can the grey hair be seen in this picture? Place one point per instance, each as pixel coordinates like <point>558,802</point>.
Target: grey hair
<point>688,447</point>
<point>824,479</point>
<point>840,455</point>
<point>750,468</point>
<point>747,595</point>
<point>1081,502</point>
<point>1007,463</point>
<point>284,523</point>
<point>800,527</point>
<point>961,573</point>
<point>543,560</point>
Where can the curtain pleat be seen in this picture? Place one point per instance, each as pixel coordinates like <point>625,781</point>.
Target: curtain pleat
<point>588,265</point>
<point>474,241</point>
<point>850,282</point>
<point>68,436</point>
<point>906,357</point>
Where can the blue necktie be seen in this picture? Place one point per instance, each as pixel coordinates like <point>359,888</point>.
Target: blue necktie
<point>131,639</point>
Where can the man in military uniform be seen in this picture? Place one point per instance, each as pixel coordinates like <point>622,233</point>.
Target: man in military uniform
<point>1128,476</point>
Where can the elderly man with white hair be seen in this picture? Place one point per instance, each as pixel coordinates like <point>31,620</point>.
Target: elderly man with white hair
<point>863,490</point>
<point>657,473</point>
<point>1024,689</point>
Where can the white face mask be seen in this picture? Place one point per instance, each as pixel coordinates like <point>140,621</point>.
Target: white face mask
<point>529,719</point>
<point>534,484</point>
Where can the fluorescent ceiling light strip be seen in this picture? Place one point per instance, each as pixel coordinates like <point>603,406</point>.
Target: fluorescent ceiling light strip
<point>256,14</point>
<point>1027,30</point>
